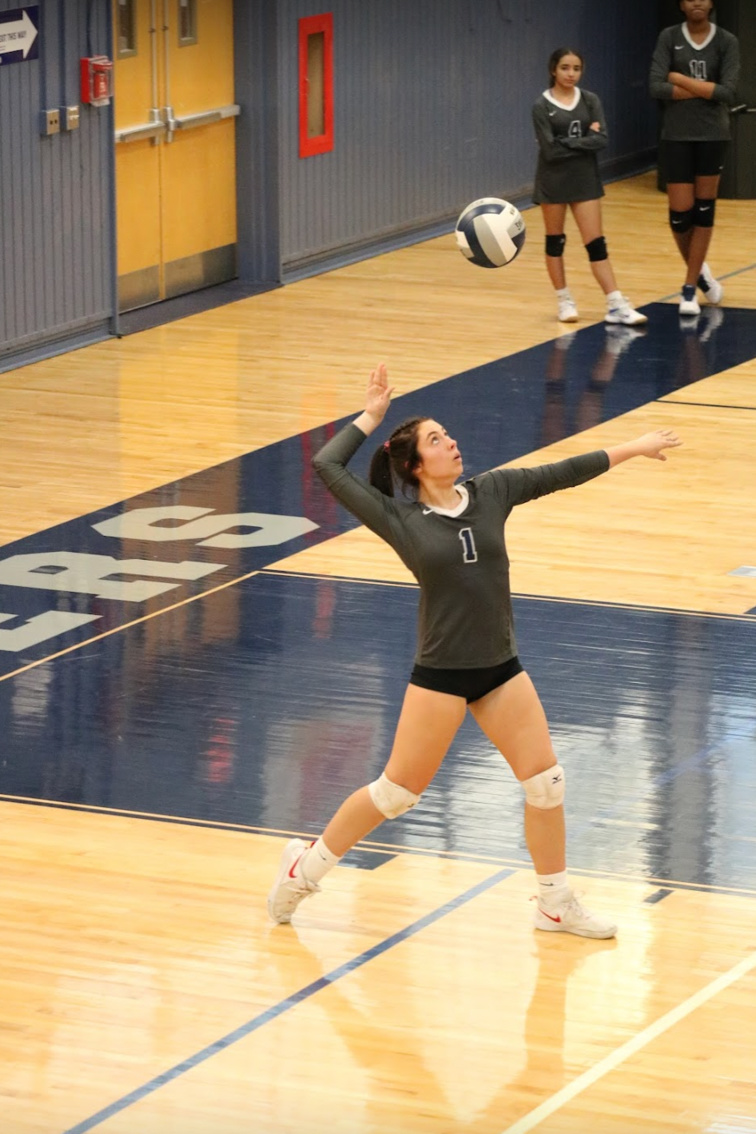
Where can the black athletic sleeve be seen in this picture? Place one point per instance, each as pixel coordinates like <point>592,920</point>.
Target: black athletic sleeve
<point>356,494</point>
<point>517,486</point>
<point>726,89</point>
<point>661,65</point>
<point>551,148</point>
<point>591,143</point>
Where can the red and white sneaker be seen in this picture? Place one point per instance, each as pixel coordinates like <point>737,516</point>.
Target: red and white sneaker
<point>571,917</point>
<point>289,888</point>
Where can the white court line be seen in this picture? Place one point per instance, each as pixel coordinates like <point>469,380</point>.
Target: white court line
<point>631,1047</point>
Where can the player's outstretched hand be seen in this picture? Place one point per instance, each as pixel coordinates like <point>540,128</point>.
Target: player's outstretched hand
<point>379,393</point>
<point>653,444</point>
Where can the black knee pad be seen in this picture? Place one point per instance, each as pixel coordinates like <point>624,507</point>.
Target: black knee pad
<point>555,244</point>
<point>703,212</point>
<point>681,222</point>
<point>597,250</point>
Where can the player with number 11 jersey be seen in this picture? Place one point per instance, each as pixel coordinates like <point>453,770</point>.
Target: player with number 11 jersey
<point>715,60</point>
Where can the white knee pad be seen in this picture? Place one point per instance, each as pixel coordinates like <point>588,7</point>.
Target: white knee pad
<point>391,799</point>
<point>546,790</point>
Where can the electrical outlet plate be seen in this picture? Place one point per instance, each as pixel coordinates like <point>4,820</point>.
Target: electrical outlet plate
<point>50,122</point>
<point>69,117</point>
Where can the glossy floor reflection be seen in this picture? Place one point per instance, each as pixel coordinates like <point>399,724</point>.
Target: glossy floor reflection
<point>267,704</point>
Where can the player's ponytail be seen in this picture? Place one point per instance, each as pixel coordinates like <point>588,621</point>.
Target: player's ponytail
<point>396,458</point>
<point>380,470</point>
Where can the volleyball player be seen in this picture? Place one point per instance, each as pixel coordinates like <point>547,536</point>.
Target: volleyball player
<point>571,130</point>
<point>694,72</point>
<point>451,536</point>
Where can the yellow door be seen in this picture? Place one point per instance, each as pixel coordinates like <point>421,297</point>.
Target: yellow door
<point>175,147</point>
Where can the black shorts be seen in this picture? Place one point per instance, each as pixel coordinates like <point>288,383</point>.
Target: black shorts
<point>683,162</point>
<point>472,684</point>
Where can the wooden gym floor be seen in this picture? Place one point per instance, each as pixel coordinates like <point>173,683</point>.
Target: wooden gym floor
<point>201,654</point>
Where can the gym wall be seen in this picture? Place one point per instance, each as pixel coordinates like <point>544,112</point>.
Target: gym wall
<point>431,108</point>
<point>56,259</point>
<point>432,102</point>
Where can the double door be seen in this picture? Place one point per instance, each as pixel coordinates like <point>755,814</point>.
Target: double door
<point>175,147</point>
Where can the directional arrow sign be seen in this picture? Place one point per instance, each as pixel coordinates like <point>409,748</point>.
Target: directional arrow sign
<point>19,35</point>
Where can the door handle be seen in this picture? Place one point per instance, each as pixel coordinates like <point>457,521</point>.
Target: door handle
<point>136,133</point>
<point>203,118</point>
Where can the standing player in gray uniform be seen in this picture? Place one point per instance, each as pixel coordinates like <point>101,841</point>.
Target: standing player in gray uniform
<point>451,537</point>
<point>570,128</point>
<point>694,72</point>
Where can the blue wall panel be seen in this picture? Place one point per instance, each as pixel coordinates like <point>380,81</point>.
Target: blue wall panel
<point>432,108</point>
<point>56,235</point>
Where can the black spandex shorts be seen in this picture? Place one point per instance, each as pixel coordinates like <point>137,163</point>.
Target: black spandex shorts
<point>472,684</point>
<point>683,162</point>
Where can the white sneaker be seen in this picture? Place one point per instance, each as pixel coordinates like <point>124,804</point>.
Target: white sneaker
<point>571,917</point>
<point>689,305</point>
<point>622,312</point>
<point>288,891</point>
<point>710,286</point>
<point>568,312</point>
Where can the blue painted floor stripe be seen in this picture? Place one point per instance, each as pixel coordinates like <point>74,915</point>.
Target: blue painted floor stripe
<point>533,398</point>
<point>292,1001</point>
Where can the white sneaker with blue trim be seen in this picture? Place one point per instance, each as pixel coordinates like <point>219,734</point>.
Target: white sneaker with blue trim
<point>622,312</point>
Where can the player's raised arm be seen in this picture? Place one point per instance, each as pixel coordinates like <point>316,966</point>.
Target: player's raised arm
<point>377,400</point>
<point>648,445</point>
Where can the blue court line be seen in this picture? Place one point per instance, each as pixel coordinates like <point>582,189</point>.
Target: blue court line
<point>284,1005</point>
<point>658,896</point>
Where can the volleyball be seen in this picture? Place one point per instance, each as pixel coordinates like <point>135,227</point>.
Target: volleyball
<point>490,232</point>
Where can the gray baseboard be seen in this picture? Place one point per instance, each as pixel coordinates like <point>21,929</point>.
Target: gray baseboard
<point>328,260</point>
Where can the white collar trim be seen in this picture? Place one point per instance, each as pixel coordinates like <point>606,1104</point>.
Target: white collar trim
<point>464,500</point>
<point>692,42</point>
<point>563,105</point>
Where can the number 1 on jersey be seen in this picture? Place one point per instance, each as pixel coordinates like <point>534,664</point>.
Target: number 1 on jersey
<point>470,554</point>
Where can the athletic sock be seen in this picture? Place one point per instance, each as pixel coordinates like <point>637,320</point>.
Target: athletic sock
<point>553,888</point>
<point>563,293</point>
<point>316,861</point>
<point>614,299</point>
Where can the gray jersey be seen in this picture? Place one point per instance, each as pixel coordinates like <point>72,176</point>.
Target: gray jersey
<point>460,562</point>
<point>716,60</point>
<point>567,169</point>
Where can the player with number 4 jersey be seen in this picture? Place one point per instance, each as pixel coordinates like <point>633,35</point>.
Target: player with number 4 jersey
<point>571,131</point>
<point>450,534</point>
